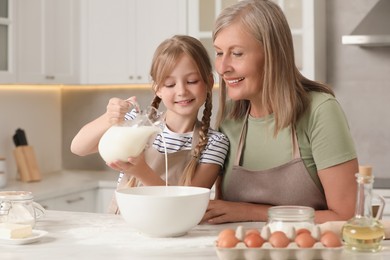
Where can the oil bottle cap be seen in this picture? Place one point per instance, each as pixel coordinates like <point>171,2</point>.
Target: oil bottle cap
<point>365,170</point>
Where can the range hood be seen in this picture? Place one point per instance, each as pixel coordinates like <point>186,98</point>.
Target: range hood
<point>374,29</point>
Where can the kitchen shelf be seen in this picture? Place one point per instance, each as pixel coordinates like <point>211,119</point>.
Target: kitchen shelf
<point>367,40</point>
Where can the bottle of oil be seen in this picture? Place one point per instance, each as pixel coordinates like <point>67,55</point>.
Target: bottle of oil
<point>363,232</point>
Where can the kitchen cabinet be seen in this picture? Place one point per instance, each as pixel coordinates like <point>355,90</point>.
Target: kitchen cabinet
<point>7,41</point>
<point>47,41</point>
<point>307,23</point>
<point>305,17</point>
<point>93,41</point>
<point>104,197</point>
<point>84,201</point>
<point>120,37</point>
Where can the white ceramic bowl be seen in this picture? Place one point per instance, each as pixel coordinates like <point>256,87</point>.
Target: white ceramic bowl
<point>163,211</point>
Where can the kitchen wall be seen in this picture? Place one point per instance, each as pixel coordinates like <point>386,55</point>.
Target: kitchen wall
<point>37,110</point>
<point>359,76</point>
<point>361,80</point>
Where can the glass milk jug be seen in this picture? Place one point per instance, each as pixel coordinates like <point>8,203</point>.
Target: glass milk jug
<point>129,138</point>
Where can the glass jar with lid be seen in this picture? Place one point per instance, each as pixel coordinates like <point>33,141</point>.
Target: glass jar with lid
<point>289,219</point>
<point>18,207</point>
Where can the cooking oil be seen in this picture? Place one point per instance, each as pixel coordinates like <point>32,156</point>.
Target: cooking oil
<point>363,237</point>
<point>363,232</point>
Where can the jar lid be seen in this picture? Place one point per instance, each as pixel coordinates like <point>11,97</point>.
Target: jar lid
<point>290,213</point>
<point>16,195</point>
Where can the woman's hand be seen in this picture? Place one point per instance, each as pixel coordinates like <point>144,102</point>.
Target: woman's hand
<point>220,211</point>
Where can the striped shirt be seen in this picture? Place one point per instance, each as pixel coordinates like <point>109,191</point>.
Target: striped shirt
<point>215,151</point>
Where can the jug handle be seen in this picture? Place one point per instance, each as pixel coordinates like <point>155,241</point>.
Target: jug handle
<point>379,213</point>
<point>40,211</point>
<point>134,103</point>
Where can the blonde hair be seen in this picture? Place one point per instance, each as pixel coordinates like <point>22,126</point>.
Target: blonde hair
<point>164,61</point>
<point>285,90</point>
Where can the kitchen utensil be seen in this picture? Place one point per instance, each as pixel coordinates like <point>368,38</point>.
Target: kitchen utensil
<point>129,138</point>
<point>163,211</point>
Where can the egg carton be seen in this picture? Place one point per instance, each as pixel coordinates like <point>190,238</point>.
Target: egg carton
<point>267,251</point>
<point>292,251</point>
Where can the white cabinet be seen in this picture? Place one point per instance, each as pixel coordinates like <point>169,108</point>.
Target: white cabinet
<point>47,41</point>
<point>93,41</point>
<point>307,22</point>
<point>84,201</point>
<point>119,37</point>
<point>7,41</point>
<point>305,17</point>
<point>104,198</point>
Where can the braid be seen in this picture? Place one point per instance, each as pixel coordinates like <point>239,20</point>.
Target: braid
<point>156,102</point>
<point>190,169</point>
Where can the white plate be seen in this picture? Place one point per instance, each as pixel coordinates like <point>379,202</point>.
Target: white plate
<point>36,235</point>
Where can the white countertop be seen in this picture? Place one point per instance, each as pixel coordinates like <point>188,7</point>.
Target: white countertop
<point>76,235</point>
<point>65,182</point>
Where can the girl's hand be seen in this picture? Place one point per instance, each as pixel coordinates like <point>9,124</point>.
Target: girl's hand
<point>117,108</point>
<point>135,166</point>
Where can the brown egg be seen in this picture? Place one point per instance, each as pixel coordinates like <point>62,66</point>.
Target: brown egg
<point>253,240</point>
<point>252,231</point>
<point>305,240</point>
<point>279,239</point>
<point>302,230</point>
<point>330,239</point>
<point>227,238</point>
<point>226,232</point>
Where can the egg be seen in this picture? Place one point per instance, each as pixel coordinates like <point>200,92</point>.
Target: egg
<point>304,240</point>
<point>253,240</point>
<point>330,239</point>
<point>226,232</point>
<point>279,239</point>
<point>252,231</point>
<point>227,239</point>
<point>302,230</point>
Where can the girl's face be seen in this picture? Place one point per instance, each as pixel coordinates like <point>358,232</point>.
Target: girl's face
<point>183,92</point>
<point>240,61</point>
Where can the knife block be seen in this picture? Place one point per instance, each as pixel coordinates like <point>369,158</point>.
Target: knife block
<point>27,164</point>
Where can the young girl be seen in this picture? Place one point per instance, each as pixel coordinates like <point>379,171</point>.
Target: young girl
<point>182,79</point>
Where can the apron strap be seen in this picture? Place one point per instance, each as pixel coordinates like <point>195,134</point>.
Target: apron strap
<point>240,147</point>
<point>296,153</point>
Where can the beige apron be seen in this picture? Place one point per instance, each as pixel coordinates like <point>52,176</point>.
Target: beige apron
<point>176,163</point>
<point>287,184</point>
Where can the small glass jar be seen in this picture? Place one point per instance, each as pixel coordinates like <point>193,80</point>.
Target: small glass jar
<point>18,207</point>
<point>290,218</point>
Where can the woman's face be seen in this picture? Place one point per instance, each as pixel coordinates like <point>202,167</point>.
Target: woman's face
<point>240,61</point>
